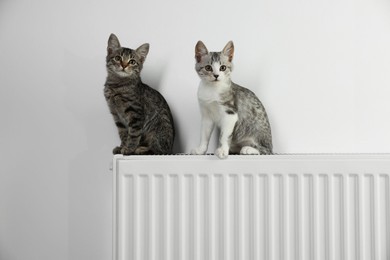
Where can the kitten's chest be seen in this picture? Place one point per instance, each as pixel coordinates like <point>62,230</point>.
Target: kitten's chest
<point>209,93</point>
<point>118,96</point>
<point>209,97</point>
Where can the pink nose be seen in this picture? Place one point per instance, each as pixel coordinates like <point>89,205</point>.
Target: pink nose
<point>124,65</point>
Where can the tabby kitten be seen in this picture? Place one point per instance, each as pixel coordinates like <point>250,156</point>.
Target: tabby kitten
<point>141,114</point>
<point>235,110</point>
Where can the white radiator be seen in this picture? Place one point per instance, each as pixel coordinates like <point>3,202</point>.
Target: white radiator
<point>185,207</point>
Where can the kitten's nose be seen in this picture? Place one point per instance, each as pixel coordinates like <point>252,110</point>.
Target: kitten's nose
<point>216,76</point>
<point>124,65</point>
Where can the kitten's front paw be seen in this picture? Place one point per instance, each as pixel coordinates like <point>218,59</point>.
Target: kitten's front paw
<point>117,150</point>
<point>199,151</point>
<point>248,150</point>
<point>127,151</point>
<point>222,153</point>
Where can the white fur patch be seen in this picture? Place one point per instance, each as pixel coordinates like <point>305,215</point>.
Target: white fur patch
<point>222,153</point>
<point>209,100</point>
<point>249,150</point>
<point>214,114</point>
<point>211,91</point>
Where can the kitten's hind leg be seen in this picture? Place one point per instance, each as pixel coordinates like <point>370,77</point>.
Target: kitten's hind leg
<point>248,150</point>
<point>142,150</point>
<point>264,150</point>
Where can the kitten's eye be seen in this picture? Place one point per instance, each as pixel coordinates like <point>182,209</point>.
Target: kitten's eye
<point>208,68</point>
<point>117,58</point>
<point>132,62</point>
<point>222,68</point>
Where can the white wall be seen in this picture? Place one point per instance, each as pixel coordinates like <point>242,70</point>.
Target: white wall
<point>321,69</point>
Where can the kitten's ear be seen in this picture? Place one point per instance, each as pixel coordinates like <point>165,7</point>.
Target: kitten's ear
<point>200,50</point>
<point>229,50</point>
<point>113,43</point>
<point>143,51</point>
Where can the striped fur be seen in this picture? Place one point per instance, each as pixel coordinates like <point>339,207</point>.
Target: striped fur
<point>141,114</point>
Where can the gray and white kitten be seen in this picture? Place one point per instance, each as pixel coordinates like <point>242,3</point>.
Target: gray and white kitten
<point>235,110</point>
<point>141,114</point>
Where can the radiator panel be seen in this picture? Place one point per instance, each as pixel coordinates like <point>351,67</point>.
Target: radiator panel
<point>251,207</point>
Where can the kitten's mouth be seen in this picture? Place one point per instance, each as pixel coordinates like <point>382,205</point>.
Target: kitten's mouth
<point>122,73</point>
